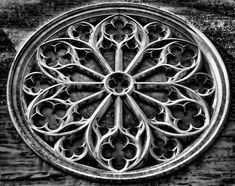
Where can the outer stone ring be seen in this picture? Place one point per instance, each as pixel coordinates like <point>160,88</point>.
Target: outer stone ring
<point>118,92</point>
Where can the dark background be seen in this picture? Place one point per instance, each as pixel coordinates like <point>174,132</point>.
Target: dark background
<point>20,166</point>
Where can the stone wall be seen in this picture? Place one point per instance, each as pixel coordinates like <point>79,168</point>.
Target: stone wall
<point>20,166</point>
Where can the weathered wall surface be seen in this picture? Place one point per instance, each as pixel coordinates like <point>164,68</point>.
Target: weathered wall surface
<point>20,166</point>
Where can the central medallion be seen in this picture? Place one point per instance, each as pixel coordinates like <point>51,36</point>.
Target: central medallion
<point>118,83</point>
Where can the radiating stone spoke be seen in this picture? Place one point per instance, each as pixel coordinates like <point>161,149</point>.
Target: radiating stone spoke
<point>103,62</point>
<point>118,60</point>
<point>149,99</point>
<point>151,85</point>
<point>87,85</point>
<point>101,109</point>
<point>144,130</point>
<point>91,98</point>
<point>145,73</point>
<point>118,122</point>
<point>164,73</point>
<point>91,72</point>
<point>136,109</point>
<point>96,116</point>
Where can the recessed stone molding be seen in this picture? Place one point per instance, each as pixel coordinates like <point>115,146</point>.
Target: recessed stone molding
<point>118,92</point>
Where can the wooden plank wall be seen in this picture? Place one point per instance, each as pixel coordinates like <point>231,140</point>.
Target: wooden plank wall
<point>20,166</point>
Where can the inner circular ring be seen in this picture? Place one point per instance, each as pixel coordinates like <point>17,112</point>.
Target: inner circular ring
<point>118,83</point>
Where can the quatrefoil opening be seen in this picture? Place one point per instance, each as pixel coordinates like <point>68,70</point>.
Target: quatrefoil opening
<point>118,83</point>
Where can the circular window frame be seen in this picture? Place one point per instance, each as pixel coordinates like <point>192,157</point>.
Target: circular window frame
<point>14,95</point>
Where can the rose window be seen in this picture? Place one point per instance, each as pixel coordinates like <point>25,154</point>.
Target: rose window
<point>118,91</point>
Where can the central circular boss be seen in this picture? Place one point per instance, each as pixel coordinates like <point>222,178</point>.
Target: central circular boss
<point>118,83</point>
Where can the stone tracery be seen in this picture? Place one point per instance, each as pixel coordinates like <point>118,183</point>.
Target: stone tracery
<point>97,103</point>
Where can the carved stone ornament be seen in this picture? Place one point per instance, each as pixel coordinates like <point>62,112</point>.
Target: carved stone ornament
<point>118,92</point>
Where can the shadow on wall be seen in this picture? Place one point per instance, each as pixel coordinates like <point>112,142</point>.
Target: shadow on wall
<point>30,14</point>
<point>219,39</point>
